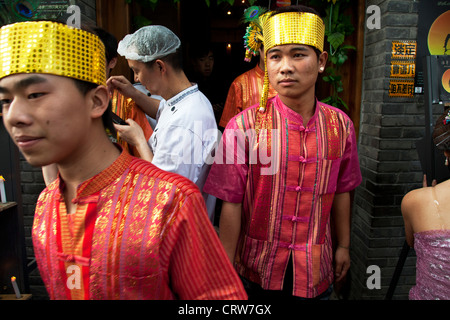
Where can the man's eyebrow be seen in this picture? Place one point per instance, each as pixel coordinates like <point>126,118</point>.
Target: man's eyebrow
<point>273,50</point>
<point>301,48</point>
<point>296,48</point>
<point>24,83</point>
<point>34,79</point>
<point>4,90</point>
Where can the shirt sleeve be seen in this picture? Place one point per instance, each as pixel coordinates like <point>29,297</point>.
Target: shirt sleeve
<point>349,171</point>
<point>199,267</point>
<point>233,104</point>
<point>227,178</point>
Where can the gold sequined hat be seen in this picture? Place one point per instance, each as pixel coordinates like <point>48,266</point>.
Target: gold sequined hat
<point>51,48</point>
<point>291,28</point>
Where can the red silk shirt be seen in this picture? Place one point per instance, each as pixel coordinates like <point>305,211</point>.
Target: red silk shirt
<point>138,233</point>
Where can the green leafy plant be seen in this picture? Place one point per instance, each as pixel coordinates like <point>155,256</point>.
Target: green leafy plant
<point>337,27</point>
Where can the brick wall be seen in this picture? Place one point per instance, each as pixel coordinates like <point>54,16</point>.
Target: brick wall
<point>32,185</point>
<point>389,161</point>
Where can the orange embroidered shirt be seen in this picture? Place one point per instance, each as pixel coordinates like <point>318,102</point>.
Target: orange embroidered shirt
<point>138,233</point>
<point>244,92</point>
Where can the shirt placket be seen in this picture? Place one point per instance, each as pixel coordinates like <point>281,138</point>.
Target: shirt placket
<point>299,188</point>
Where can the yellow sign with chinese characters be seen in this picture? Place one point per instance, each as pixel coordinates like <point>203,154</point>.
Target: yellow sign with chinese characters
<point>404,50</point>
<point>401,88</point>
<point>403,69</point>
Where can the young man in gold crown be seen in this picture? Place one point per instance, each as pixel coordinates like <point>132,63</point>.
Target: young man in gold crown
<point>295,162</point>
<point>111,226</point>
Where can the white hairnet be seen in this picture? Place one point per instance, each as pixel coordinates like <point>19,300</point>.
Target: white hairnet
<point>149,43</point>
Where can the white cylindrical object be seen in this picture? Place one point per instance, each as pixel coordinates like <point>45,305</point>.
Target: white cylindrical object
<point>2,190</point>
<point>16,288</point>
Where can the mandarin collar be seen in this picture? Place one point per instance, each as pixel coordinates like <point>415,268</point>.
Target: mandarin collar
<point>294,116</point>
<point>102,179</point>
<point>182,95</point>
<point>259,71</point>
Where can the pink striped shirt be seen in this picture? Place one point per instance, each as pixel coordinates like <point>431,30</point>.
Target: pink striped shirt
<point>286,175</point>
<point>138,233</point>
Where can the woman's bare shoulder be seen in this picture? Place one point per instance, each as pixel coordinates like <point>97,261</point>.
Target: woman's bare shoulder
<point>416,200</point>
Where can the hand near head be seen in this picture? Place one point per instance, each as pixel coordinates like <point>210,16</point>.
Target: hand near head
<point>121,84</point>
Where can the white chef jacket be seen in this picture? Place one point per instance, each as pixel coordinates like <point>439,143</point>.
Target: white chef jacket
<point>184,138</point>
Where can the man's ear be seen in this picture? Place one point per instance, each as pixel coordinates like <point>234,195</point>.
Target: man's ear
<point>161,65</point>
<point>323,57</point>
<point>112,63</point>
<point>98,98</point>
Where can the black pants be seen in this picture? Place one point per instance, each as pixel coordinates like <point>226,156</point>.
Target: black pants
<point>256,292</point>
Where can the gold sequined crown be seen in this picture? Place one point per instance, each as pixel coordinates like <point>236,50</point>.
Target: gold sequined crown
<point>53,48</point>
<point>294,27</point>
<point>291,28</point>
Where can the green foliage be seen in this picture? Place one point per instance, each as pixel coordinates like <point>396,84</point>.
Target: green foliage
<point>337,27</point>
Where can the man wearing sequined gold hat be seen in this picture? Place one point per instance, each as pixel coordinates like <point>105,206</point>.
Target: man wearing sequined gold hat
<point>111,226</point>
<point>295,162</point>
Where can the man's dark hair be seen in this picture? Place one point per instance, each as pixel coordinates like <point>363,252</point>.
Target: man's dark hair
<point>200,49</point>
<point>174,59</point>
<point>297,8</point>
<point>109,41</point>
